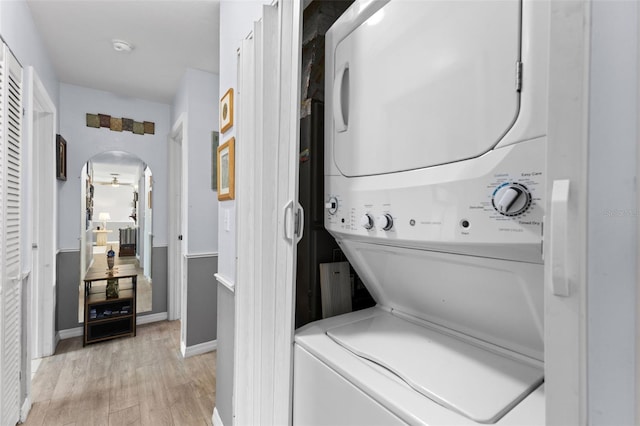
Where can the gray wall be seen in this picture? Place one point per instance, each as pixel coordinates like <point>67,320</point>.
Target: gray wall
<point>224,376</point>
<point>68,279</point>
<point>202,299</point>
<point>612,214</point>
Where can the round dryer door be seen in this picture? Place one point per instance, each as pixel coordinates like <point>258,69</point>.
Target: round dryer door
<point>425,83</point>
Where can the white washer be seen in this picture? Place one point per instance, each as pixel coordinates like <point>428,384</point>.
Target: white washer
<point>435,190</point>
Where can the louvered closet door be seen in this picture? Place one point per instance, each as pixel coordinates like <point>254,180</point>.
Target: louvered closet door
<point>10,211</point>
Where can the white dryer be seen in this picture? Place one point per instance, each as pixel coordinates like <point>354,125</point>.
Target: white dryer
<point>435,191</point>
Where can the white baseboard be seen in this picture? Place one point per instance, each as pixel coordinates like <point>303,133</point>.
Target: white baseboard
<point>201,348</point>
<point>217,421</point>
<point>26,407</point>
<point>147,319</point>
<point>69,333</point>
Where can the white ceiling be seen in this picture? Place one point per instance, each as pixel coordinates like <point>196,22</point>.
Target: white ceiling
<point>126,167</point>
<point>168,36</point>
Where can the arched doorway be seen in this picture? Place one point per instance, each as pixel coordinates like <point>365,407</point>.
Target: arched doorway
<point>116,203</point>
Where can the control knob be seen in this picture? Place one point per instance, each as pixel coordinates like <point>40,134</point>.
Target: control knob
<point>366,221</point>
<point>511,199</point>
<point>385,222</point>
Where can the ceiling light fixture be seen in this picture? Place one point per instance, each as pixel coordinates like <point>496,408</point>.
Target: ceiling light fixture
<point>122,46</point>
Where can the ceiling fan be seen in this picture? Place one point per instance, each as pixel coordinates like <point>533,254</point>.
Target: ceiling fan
<point>113,182</point>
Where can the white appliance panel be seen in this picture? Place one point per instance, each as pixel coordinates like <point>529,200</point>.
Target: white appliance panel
<point>493,300</point>
<point>450,208</point>
<point>443,368</point>
<point>323,397</point>
<point>318,360</point>
<point>425,83</point>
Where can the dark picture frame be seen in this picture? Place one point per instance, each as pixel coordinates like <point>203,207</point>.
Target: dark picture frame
<point>215,141</point>
<point>61,158</point>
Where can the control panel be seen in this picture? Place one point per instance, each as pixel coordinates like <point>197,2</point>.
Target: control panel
<point>490,206</point>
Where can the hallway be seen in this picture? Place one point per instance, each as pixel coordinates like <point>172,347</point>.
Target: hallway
<point>144,289</point>
<point>129,381</point>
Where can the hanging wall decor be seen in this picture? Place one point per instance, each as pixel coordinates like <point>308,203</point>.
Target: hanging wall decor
<point>226,170</point>
<point>61,158</point>
<point>214,160</point>
<point>121,124</point>
<point>226,111</point>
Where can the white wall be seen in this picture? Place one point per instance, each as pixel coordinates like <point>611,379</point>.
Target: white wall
<point>21,35</point>
<point>612,214</point>
<point>198,97</point>
<point>117,201</point>
<point>236,23</point>
<point>84,142</point>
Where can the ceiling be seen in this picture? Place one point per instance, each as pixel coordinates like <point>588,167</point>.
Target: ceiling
<point>167,36</point>
<point>126,167</point>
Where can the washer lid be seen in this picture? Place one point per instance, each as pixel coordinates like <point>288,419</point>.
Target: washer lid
<point>422,83</point>
<point>475,382</point>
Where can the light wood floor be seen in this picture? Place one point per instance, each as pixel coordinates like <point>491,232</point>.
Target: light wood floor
<point>140,380</point>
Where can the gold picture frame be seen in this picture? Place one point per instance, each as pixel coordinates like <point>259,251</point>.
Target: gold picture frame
<point>226,170</point>
<point>226,111</point>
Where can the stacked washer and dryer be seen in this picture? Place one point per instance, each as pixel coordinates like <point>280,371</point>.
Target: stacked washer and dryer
<point>435,190</point>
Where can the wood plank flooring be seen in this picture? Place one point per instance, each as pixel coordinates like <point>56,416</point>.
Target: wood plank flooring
<point>140,380</point>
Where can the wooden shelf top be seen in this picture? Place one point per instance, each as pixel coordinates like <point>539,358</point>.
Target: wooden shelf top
<point>124,295</point>
<point>119,271</point>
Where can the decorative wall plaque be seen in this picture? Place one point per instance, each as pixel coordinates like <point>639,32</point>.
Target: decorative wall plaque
<point>121,124</point>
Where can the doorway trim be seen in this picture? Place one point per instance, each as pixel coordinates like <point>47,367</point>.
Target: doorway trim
<point>44,197</point>
<point>175,281</point>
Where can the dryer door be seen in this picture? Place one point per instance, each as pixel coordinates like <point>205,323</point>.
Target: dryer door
<point>425,83</point>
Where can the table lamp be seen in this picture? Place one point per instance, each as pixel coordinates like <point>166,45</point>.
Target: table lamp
<point>104,216</point>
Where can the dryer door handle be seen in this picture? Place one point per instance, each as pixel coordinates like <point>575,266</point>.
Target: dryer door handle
<point>341,99</point>
<point>558,238</point>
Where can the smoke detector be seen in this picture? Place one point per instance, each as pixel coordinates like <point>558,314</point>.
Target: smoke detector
<point>122,46</point>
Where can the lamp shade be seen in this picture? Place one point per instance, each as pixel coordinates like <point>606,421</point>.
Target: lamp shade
<point>104,216</point>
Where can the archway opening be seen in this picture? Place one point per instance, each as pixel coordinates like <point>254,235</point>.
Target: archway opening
<point>117,214</point>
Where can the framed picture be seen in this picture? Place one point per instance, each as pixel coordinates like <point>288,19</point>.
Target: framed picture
<point>215,140</point>
<point>226,111</point>
<point>61,158</point>
<point>226,170</point>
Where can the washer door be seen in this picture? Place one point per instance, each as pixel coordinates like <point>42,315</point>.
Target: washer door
<point>425,83</point>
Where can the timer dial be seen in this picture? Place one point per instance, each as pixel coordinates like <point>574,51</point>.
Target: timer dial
<point>511,199</point>
<point>366,221</point>
<point>385,222</point>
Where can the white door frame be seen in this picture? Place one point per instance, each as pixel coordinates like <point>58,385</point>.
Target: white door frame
<point>43,230</point>
<point>266,193</point>
<point>177,182</point>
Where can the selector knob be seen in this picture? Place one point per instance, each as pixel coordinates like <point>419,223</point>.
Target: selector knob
<point>366,221</point>
<point>332,205</point>
<point>385,222</point>
<point>511,199</point>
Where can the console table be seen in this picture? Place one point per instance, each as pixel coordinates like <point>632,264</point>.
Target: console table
<point>101,236</point>
<point>104,318</point>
